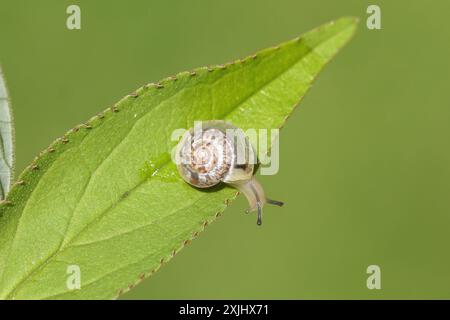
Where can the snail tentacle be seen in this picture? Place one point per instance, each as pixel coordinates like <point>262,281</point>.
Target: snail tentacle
<point>275,202</point>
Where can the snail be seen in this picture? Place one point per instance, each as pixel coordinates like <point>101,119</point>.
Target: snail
<point>215,152</point>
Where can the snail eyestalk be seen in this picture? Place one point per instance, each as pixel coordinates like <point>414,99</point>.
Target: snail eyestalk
<point>275,202</point>
<point>255,195</point>
<point>259,221</point>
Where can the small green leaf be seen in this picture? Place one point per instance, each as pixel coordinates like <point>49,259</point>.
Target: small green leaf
<point>106,196</point>
<point>6,140</point>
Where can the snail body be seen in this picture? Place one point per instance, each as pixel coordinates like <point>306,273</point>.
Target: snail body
<point>215,152</point>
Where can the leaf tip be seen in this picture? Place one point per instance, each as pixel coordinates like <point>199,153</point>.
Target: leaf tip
<point>349,21</point>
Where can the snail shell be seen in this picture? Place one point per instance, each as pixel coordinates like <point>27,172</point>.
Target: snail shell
<point>216,151</point>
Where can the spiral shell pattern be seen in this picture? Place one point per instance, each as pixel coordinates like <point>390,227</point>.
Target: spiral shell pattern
<point>205,160</point>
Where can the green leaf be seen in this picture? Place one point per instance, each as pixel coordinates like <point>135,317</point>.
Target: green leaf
<point>6,140</point>
<point>106,196</point>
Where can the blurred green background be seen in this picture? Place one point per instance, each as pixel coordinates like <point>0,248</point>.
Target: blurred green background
<point>364,161</point>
